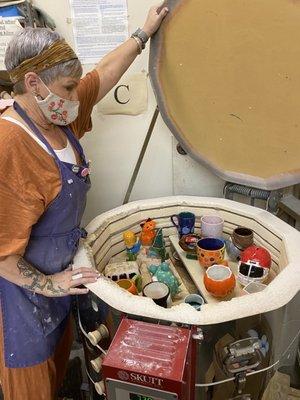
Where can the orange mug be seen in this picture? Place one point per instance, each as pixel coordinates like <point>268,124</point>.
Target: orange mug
<point>128,285</point>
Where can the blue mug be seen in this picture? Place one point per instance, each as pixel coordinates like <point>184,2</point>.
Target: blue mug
<point>184,222</point>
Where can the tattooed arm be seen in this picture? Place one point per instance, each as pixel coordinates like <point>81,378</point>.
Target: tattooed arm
<point>18,271</point>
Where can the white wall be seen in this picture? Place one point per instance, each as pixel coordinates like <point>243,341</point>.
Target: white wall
<point>115,142</point>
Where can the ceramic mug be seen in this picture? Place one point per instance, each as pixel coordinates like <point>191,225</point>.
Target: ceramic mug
<point>194,300</point>
<point>184,222</point>
<point>242,237</point>
<point>159,292</point>
<point>210,251</point>
<point>212,226</point>
<point>128,285</point>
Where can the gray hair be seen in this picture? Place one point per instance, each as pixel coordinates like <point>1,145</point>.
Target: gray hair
<point>30,42</point>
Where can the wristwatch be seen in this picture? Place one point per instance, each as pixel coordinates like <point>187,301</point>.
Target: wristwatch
<point>140,34</point>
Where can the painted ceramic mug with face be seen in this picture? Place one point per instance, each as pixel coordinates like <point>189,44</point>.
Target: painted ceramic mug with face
<point>184,222</point>
<point>210,251</point>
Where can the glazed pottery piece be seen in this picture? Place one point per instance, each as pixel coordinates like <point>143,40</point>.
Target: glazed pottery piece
<point>212,226</point>
<point>242,237</point>
<point>257,254</point>
<point>158,248</point>
<point>232,251</point>
<point>219,281</point>
<point>128,285</point>
<point>188,243</point>
<point>148,232</point>
<point>159,292</point>
<point>121,270</point>
<point>164,274</point>
<point>210,251</point>
<point>184,222</point>
<point>194,300</point>
<point>251,271</point>
<point>133,245</point>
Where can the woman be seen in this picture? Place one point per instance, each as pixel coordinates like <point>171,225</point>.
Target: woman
<point>44,178</point>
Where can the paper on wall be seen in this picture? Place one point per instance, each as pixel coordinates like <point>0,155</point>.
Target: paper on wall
<point>8,27</point>
<point>128,97</point>
<point>99,26</point>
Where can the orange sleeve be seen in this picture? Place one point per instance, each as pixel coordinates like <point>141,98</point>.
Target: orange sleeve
<point>87,91</point>
<point>25,190</point>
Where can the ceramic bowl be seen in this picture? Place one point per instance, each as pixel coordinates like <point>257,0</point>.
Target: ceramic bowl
<point>219,280</point>
<point>251,272</point>
<point>242,237</point>
<point>210,251</point>
<point>188,243</point>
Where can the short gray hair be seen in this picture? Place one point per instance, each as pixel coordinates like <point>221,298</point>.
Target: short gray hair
<point>30,42</point>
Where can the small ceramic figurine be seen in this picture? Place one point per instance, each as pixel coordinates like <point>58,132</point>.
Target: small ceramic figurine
<point>164,274</point>
<point>148,232</point>
<point>132,244</point>
<point>158,248</point>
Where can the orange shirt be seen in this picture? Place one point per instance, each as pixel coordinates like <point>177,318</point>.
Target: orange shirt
<point>29,177</point>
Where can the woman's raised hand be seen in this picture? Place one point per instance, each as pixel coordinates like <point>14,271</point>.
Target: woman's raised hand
<point>155,16</point>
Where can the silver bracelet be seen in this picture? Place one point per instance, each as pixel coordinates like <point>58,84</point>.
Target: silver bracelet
<point>139,43</point>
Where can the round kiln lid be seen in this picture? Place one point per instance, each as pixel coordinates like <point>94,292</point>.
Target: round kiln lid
<point>227,80</point>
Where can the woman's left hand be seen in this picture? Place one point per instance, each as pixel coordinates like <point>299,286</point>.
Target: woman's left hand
<point>155,16</point>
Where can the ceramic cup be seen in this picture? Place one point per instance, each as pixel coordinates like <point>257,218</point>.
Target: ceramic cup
<point>210,251</point>
<point>242,237</point>
<point>219,280</point>
<point>194,300</point>
<point>212,226</point>
<point>184,222</point>
<point>128,285</point>
<point>159,292</point>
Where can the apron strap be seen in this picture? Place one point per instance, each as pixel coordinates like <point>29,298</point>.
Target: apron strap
<point>37,132</point>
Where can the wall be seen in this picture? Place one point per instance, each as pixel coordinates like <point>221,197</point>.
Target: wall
<point>115,142</point>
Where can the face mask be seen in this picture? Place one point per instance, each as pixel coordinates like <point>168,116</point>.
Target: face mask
<point>57,110</point>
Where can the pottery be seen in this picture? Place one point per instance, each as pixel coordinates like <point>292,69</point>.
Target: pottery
<point>251,271</point>
<point>194,300</point>
<point>184,222</point>
<point>128,285</point>
<point>188,243</point>
<point>133,245</point>
<point>159,292</point>
<point>219,281</point>
<point>121,270</point>
<point>212,226</point>
<point>242,237</point>
<point>148,232</point>
<point>164,274</point>
<point>232,251</point>
<point>210,251</point>
<point>158,248</point>
<point>257,254</point>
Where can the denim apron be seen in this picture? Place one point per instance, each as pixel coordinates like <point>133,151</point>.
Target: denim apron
<point>32,323</point>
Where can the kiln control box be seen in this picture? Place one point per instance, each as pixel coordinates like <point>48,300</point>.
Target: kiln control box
<point>149,362</point>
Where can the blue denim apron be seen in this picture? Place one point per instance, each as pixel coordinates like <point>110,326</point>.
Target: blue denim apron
<point>32,323</point>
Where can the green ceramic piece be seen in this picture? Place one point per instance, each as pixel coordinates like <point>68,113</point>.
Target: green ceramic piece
<point>164,274</point>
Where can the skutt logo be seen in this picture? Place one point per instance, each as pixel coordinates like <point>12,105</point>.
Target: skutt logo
<point>123,375</point>
<point>139,378</point>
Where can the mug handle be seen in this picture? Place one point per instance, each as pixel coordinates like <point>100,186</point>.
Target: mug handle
<point>173,222</point>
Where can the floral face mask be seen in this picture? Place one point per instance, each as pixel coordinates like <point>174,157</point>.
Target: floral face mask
<point>57,110</point>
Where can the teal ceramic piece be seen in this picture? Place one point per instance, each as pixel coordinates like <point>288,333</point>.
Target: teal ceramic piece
<point>164,274</point>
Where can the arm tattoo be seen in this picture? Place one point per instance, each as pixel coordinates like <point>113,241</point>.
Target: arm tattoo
<point>37,280</point>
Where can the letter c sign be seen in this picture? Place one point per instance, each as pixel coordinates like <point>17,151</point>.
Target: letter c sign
<point>116,94</point>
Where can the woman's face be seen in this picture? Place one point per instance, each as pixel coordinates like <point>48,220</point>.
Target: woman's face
<point>64,87</point>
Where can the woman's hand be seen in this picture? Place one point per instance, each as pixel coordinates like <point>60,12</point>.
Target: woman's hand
<point>67,282</point>
<point>155,16</point>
